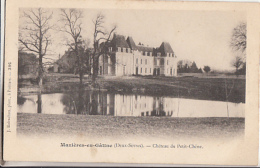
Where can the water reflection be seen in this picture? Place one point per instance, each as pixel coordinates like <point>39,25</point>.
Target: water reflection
<point>103,103</point>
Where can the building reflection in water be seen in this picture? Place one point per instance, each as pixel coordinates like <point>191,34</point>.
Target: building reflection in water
<point>96,103</point>
<point>103,103</point>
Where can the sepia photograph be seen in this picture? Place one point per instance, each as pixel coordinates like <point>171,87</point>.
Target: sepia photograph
<point>124,73</point>
<point>131,82</point>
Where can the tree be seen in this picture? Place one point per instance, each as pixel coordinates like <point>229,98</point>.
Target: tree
<point>238,38</point>
<point>27,63</point>
<point>193,68</point>
<point>206,69</point>
<point>237,63</point>
<point>100,36</point>
<point>34,36</point>
<point>72,26</point>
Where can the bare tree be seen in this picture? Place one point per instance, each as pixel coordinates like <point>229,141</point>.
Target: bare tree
<point>72,26</point>
<point>100,36</point>
<point>34,35</point>
<point>237,63</point>
<point>238,38</point>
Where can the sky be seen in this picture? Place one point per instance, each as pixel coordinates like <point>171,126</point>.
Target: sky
<point>200,36</point>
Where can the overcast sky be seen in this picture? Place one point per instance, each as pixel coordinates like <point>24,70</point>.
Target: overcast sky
<point>200,36</point>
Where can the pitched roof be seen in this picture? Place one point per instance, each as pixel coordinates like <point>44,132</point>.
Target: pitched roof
<point>145,49</point>
<point>119,41</point>
<point>165,48</point>
<point>131,43</point>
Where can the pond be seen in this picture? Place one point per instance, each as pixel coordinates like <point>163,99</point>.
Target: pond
<point>104,103</point>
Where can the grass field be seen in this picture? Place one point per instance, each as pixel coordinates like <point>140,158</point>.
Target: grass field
<point>204,87</point>
<point>129,127</point>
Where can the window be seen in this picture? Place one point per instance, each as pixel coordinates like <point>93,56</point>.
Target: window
<point>145,70</point>
<point>141,61</point>
<point>144,53</point>
<point>110,49</point>
<point>118,49</point>
<point>145,61</point>
<point>167,62</point>
<point>122,49</point>
<point>137,60</point>
<point>127,50</point>
<point>162,61</point>
<point>141,70</point>
<point>150,70</point>
<point>148,54</point>
<point>158,54</point>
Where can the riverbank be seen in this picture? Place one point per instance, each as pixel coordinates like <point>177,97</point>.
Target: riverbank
<point>128,127</point>
<point>191,87</point>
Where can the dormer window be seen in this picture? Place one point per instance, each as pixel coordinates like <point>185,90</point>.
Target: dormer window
<point>118,49</point>
<point>110,49</point>
<point>148,53</point>
<point>158,54</point>
<point>122,49</point>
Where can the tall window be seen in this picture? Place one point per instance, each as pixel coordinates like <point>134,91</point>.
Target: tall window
<point>136,60</point>
<point>150,70</point>
<point>145,61</point>
<point>167,62</point>
<point>141,70</point>
<point>145,70</point>
<point>122,49</point>
<point>141,61</point>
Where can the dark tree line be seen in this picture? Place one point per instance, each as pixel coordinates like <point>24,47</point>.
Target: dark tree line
<point>185,66</point>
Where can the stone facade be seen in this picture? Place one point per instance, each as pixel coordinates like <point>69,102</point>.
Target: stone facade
<point>124,57</point>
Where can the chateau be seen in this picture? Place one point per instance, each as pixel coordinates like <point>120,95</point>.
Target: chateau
<point>127,58</point>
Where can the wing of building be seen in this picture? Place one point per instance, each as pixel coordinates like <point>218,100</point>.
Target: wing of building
<point>124,57</point>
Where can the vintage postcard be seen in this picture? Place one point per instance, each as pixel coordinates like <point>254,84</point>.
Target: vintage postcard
<point>142,82</point>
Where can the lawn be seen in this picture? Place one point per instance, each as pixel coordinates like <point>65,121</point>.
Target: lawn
<point>128,127</point>
<point>199,87</point>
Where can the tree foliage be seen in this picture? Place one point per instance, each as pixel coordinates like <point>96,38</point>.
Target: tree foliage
<point>186,66</point>
<point>206,69</point>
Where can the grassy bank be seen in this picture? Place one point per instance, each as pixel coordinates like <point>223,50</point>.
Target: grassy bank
<point>203,87</point>
<point>107,126</point>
